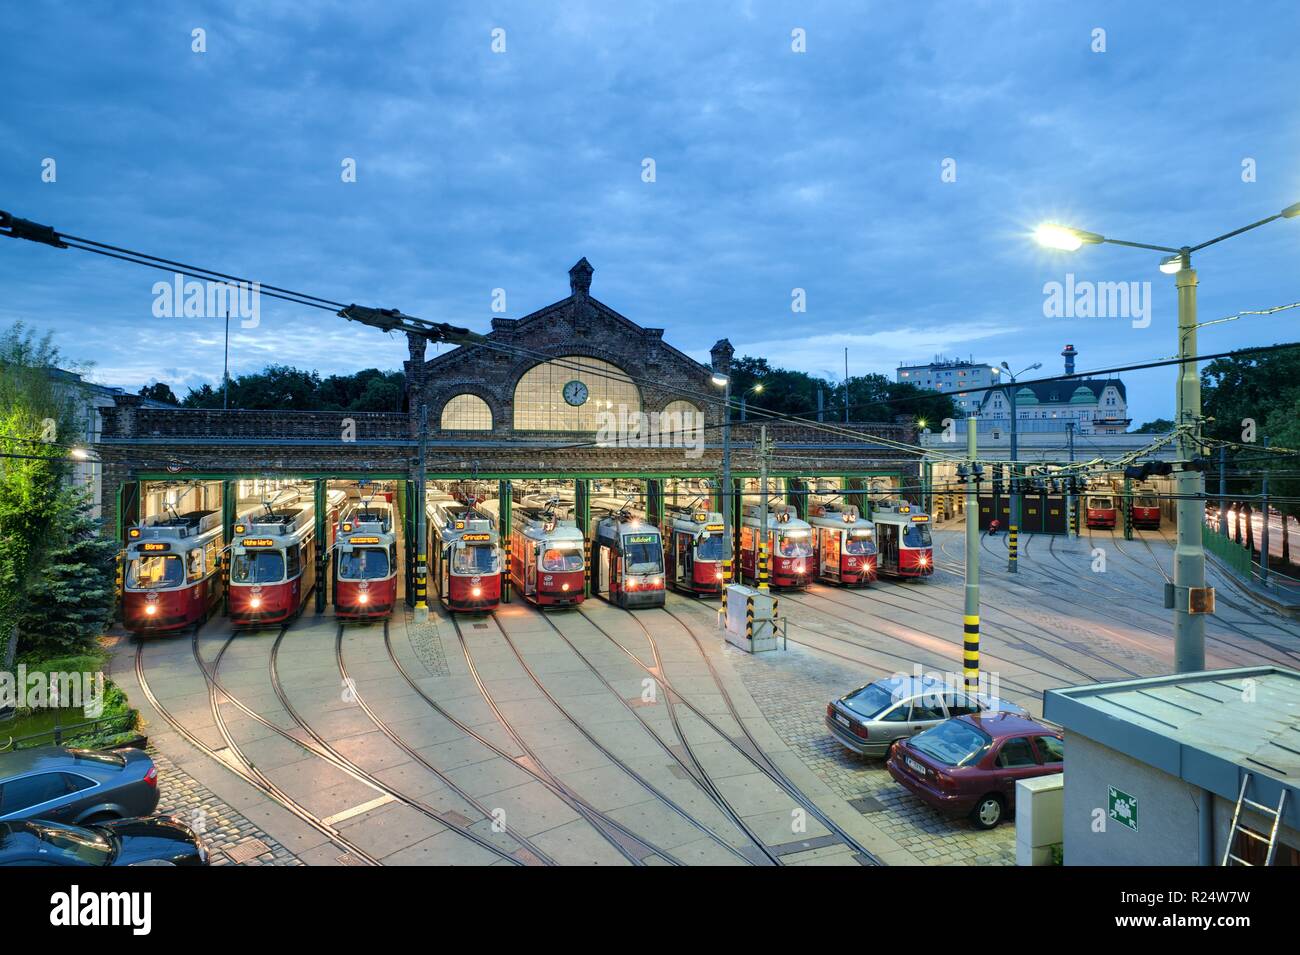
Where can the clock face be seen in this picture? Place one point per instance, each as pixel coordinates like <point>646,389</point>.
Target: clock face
<point>575,393</point>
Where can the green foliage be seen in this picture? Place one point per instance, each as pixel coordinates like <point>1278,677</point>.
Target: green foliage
<point>292,389</point>
<point>160,391</point>
<point>1158,426</point>
<point>871,397</point>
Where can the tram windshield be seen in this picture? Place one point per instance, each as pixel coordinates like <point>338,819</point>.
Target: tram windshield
<point>155,572</point>
<point>1147,502</point>
<point>475,559</point>
<point>856,544</point>
<point>794,545</point>
<point>557,560</point>
<point>917,535</point>
<point>642,554</point>
<point>1101,503</point>
<point>710,548</point>
<point>258,567</point>
<point>363,563</point>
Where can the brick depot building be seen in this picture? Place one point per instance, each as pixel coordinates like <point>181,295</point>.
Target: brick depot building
<point>523,405</point>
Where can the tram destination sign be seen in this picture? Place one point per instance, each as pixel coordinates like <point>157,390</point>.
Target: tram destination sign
<point>474,537</point>
<point>257,542</point>
<point>363,540</point>
<point>153,547</point>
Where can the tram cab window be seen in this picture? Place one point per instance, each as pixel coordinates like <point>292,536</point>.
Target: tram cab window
<point>710,548</point>
<point>1101,503</point>
<point>258,567</point>
<point>917,535</point>
<point>212,554</point>
<point>293,556</point>
<point>155,572</point>
<point>560,559</point>
<point>1147,502</point>
<point>642,554</point>
<point>475,559</point>
<point>194,564</point>
<point>791,546</point>
<point>363,563</point>
<point>855,544</point>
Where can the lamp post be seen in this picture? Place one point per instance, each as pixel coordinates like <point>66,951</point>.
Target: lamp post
<point>1013,525</point>
<point>756,389</point>
<point>721,378</point>
<point>1189,554</point>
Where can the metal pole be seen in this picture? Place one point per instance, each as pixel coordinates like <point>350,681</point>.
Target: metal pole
<point>971,617</point>
<point>421,530</point>
<point>1263,536</point>
<point>762,508</point>
<point>1070,502</point>
<point>728,495</point>
<point>1013,524</point>
<point>225,368</point>
<point>1223,490</point>
<point>846,386</point>
<point>1189,555</point>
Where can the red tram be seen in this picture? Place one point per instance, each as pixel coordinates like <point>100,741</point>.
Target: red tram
<point>903,544</point>
<point>173,572</point>
<point>693,555</point>
<point>365,562</point>
<point>629,561</point>
<point>789,546</point>
<point>845,545</point>
<point>1146,510</point>
<point>273,561</point>
<point>465,557</point>
<point>1101,511</point>
<point>547,558</point>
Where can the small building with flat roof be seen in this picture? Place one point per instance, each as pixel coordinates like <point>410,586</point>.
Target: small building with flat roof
<point>1154,768</point>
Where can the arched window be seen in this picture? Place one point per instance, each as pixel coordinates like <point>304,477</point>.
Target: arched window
<point>679,418</point>
<point>571,393</point>
<point>466,412</point>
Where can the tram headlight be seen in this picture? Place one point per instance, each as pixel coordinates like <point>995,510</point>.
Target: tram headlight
<point>564,586</point>
<point>364,598</point>
<point>477,591</point>
<point>255,602</point>
<point>150,609</point>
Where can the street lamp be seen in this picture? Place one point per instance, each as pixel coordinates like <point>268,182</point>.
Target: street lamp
<point>1013,525</point>
<point>723,381</point>
<point>1189,555</point>
<point>756,389</point>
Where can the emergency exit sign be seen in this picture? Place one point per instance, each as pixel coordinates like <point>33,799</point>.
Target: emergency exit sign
<point>1122,807</point>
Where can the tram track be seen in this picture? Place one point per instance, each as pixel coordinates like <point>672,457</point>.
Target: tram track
<point>614,832</point>
<point>752,752</point>
<point>241,766</point>
<point>699,774</point>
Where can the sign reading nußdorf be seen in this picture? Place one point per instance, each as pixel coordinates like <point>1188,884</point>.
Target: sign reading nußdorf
<point>1122,807</point>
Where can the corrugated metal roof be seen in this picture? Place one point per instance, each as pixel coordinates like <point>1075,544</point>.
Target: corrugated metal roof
<point>1207,728</point>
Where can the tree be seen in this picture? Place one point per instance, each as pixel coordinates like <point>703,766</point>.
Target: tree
<point>159,391</point>
<point>1158,426</point>
<point>68,602</point>
<point>871,397</point>
<point>283,388</point>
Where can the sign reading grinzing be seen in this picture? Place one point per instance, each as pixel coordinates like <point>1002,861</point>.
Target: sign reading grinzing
<point>1122,807</point>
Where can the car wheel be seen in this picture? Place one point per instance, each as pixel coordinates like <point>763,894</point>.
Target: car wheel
<point>99,817</point>
<point>890,750</point>
<point>987,812</point>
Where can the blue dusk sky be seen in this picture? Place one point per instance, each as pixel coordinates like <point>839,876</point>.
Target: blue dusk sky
<point>893,170</point>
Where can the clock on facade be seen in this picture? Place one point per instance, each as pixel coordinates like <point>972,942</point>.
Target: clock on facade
<point>575,393</point>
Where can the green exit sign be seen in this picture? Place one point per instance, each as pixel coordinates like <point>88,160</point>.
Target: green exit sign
<point>1122,807</point>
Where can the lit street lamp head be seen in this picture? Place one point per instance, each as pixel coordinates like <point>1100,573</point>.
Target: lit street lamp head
<point>1064,238</point>
<point>720,379</point>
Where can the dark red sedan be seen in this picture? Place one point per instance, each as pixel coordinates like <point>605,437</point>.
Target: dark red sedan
<point>970,764</point>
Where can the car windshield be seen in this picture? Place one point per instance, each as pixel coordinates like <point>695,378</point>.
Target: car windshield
<point>258,567</point>
<point>953,743</point>
<point>871,700</point>
<point>89,846</point>
<point>363,563</point>
<point>560,559</point>
<point>917,535</point>
<point>1102,503</point>
<point>475,559</point>
<point>795,545</point>
<point>859,545</point>
<point>710,548</point>
<point>642,554</point>
<point>155,572</point>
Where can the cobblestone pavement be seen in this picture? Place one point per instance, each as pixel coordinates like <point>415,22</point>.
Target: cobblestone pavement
<point>426,641</point>
<point>792,689</point>
<point>229,836</point>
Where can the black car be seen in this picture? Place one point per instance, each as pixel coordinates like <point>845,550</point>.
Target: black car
<point>159,840</point>
<point>77,786</point>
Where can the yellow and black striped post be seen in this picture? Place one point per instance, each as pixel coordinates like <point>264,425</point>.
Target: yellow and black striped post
<point>421,576</point>
<point>749,617</point>
<point>120,580</point>
<point>586,573</point>
<point>971,652</point>
<point>726,581</point>
<point>1012,547</point>
<point>505,574</point>
<point>762,565</point>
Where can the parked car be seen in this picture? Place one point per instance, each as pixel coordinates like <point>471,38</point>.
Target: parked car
<point>158,840</point>
<point>971,764</point>
<point>77,786</point>
<point>872,718</point>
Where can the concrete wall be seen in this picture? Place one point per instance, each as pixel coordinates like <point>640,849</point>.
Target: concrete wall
<point>1168,814</point>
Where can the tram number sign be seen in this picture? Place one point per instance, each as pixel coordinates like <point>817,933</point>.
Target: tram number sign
<point>476,537</point>
<point>1122,807</point>
<point>154,548</point>
<point>257,542</point>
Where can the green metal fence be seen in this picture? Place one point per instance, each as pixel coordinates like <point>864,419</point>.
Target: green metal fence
<point>1230,552</point>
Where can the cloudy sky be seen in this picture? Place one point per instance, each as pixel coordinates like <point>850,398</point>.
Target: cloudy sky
<point>893,171</point>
